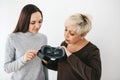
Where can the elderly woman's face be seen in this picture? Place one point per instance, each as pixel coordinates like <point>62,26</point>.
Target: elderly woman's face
<point>71,35</point>
<point>35,22</point>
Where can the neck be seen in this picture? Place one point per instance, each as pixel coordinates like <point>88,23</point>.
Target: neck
<point>77,46</point>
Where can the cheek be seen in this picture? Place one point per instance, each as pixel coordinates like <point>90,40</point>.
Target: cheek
<point>75,39</point>
<point>64,34</point>
<point>31,27</point>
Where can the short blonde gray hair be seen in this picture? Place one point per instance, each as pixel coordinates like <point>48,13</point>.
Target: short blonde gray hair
<point>81,21</point>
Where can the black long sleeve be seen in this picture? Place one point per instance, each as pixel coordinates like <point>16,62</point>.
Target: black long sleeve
<point>89,69</point>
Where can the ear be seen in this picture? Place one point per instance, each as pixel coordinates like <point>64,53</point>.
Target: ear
<point>83,35</point>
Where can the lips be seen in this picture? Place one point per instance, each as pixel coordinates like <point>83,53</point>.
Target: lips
<point>36,30</point>
<point>66,40</point>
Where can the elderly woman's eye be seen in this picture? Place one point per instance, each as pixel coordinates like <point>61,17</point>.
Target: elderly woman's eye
<point>72,34</point>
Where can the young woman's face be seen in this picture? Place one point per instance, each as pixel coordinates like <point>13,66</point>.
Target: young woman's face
<point>71,35</point>
<point>35,22</point>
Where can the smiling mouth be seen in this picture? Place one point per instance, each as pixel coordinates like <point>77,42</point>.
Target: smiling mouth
<point>36,30</point>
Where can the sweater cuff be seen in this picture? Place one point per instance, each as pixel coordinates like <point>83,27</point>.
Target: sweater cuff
<point>22,60</point>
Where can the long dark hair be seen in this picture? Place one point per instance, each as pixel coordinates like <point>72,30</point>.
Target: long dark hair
<point>24,19</point>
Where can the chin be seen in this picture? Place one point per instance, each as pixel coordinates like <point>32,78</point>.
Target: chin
<point>35,32</point>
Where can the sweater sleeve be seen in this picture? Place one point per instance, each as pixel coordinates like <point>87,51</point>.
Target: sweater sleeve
<point>46,73</point>
<point>89,71</point>
<point>11,64</point>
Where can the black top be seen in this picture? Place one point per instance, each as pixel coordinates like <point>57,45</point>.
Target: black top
<point>84,64</point>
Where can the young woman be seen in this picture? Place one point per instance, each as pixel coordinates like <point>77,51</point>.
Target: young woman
<point>22,46</point>
<point>82,60</point>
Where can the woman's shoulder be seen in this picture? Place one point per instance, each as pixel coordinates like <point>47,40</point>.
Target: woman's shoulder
<point>12,35</point>
<point>91,47</point>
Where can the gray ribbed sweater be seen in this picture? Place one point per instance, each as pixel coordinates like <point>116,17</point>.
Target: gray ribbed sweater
<point>16,46</point>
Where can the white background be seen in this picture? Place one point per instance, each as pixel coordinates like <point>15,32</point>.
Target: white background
<point>105,32</point>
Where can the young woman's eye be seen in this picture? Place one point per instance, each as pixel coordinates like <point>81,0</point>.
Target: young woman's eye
<point>32,23</point>
<point>40,21</point>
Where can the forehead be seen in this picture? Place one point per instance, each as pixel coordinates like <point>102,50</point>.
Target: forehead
<point>71,27</point>
<point>36,16</point>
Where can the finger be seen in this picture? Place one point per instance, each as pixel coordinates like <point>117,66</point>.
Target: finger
<point>28,59</point>
<point>64,47</point>
<point>33,51</point>
<point>32,55</point>
<point>67,52</point>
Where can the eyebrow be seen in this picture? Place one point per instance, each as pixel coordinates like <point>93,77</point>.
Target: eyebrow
<point>73,32</point>
<point>35,20</point>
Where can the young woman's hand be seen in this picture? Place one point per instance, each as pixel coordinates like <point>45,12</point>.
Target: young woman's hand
<point>29,55</point>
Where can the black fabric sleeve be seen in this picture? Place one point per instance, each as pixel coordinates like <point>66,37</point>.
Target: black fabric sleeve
<point>89,71</point>
<point>52,64</point>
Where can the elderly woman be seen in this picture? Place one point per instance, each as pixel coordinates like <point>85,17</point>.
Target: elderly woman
<point>82,60</point>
